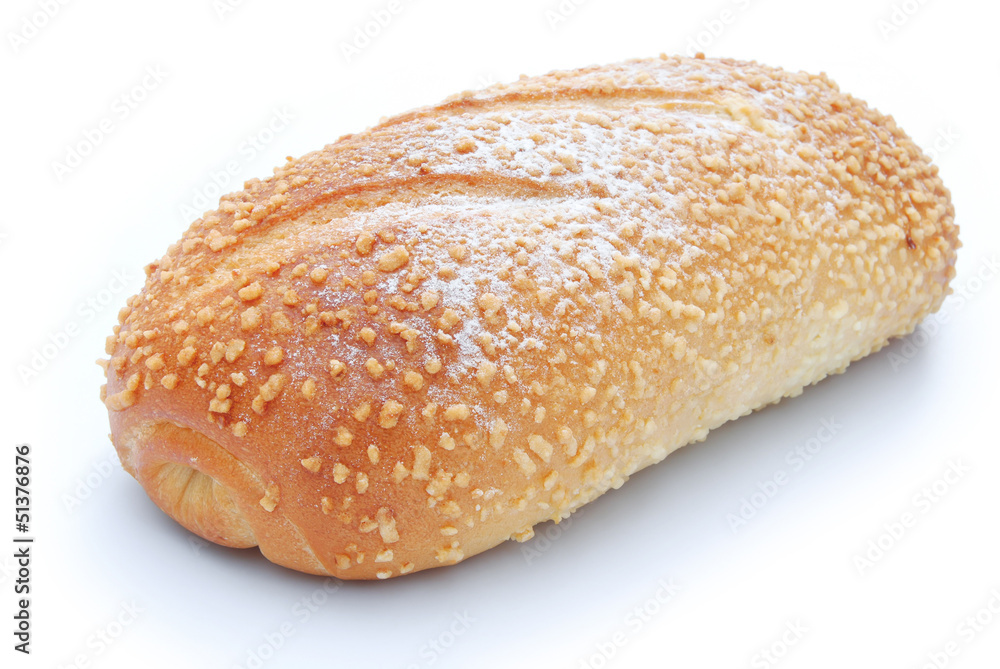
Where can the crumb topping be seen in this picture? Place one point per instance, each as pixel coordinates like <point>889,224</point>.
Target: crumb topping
<point>488,312</point>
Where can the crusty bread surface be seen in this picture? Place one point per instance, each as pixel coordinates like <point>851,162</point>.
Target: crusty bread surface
<point>426,338</point>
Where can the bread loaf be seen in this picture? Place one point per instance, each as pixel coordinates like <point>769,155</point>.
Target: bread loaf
<point>426,338</point>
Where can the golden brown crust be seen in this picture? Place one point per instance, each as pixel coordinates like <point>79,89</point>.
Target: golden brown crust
<point>426,338</point>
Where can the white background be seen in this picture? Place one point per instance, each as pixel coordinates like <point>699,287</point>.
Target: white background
<point>103,550</point>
